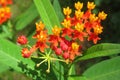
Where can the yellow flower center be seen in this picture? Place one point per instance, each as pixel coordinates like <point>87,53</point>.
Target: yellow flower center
<point>67,11</point>
<point>39,26</point>
<point>56,30</point>
<point>78,5</point>
<point>79,27</point>
<point>78,14</point>
<point>42,36</point>
<point>93,18</point>
<point>102,15</point>
<point>98,29</point>
<point>66,23</point>
<point>90,5</point>
<point>75,46</point>
<point>7,9</point>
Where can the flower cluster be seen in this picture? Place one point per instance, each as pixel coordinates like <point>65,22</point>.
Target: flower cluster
<point>5,13</point>
<point>66,42</point>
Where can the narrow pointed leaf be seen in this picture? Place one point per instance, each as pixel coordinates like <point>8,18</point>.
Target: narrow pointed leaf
<point>47,13</point>
<point>105,70</point>
<point>26,18</point>
<point>100,50</point>
<point>77,78</point>
<point>58,10</point>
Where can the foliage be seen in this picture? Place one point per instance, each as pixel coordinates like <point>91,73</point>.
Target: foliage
<point>106,54</point>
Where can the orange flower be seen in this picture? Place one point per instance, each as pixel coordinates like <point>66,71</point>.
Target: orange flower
<point>40,26</point>
<point>67,11</point>
<point>90,5</point>
<point>79,35</point>
<point>41,45</point>
<point>94,38</point>
<point>26,53</point>
<point>4,14</point>
<point>66,23</point>
<point>5,2</point>
<point>56,30</point>
<point>79,14</point>
<point>67,32</point>
<point>102,15</point>
<point>98,29</point>
<point>54,40</point>
<point>78,5</point>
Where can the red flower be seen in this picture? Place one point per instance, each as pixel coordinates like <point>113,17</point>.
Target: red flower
<point>88,27</point>
<point>41,45</point>
<point>58,51</point>
<point>26,53</point>
<point>22,40</point>
<point>79,35</point>
<point>5,14</point>
<point>94,38</point>
<point>86,15</point>
<point>67,31</point>
<point>63,46</point>
<point>54,39</point>
<point>65,55</point>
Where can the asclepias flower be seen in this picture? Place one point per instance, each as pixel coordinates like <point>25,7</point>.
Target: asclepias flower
<point>5,12</point>
<point>66,43</point>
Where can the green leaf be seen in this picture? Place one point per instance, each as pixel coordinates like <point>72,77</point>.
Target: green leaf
<point>100,50</point>
<point>105,70</point>
<point>72,70</point>
<point>58,70</point>
<point>58,10</point>
<point>47,14</point>
<point>10,55</point>
<point>26,18</point>
<point>77,78</point>
<point>3,67</point>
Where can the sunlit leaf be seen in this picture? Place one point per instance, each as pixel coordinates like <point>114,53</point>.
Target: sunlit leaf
<point>100,50</point>
<point>10,55</point>
<point>47,14</point>
<point>105,70</point>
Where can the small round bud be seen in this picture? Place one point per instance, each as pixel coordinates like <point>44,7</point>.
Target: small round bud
<point>26,53</point>
<point>58,51</point>
<point>22,40</point>
<point>65,55</point>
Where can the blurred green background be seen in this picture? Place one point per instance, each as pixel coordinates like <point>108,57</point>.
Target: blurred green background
<point>111,31</point>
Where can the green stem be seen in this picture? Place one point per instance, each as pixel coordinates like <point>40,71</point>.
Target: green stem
<point>66,71</point>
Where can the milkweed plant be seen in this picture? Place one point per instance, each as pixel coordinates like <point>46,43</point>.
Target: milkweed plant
<point>58,47</point>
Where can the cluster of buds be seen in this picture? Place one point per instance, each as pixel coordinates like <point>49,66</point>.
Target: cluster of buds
<point>5,13</point>
<point>66,42</point>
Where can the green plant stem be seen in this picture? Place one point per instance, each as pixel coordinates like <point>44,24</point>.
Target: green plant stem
<point>66,71</point>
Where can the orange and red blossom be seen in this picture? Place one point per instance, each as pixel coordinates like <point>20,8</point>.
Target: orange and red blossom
<point>25,53</point>
<point>94,37</point>
<point>54,38</point>
<point>5,14</point>
<point>5,2</point>
<point>22,40</point>
<point>67,41</point>
<point>39,26</point>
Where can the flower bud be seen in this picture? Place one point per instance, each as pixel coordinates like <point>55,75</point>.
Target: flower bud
<point>26,53</point>
<point>22,40</point>
<point>58,51</point>
<point>63,46</point>
<point>65,55</point>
